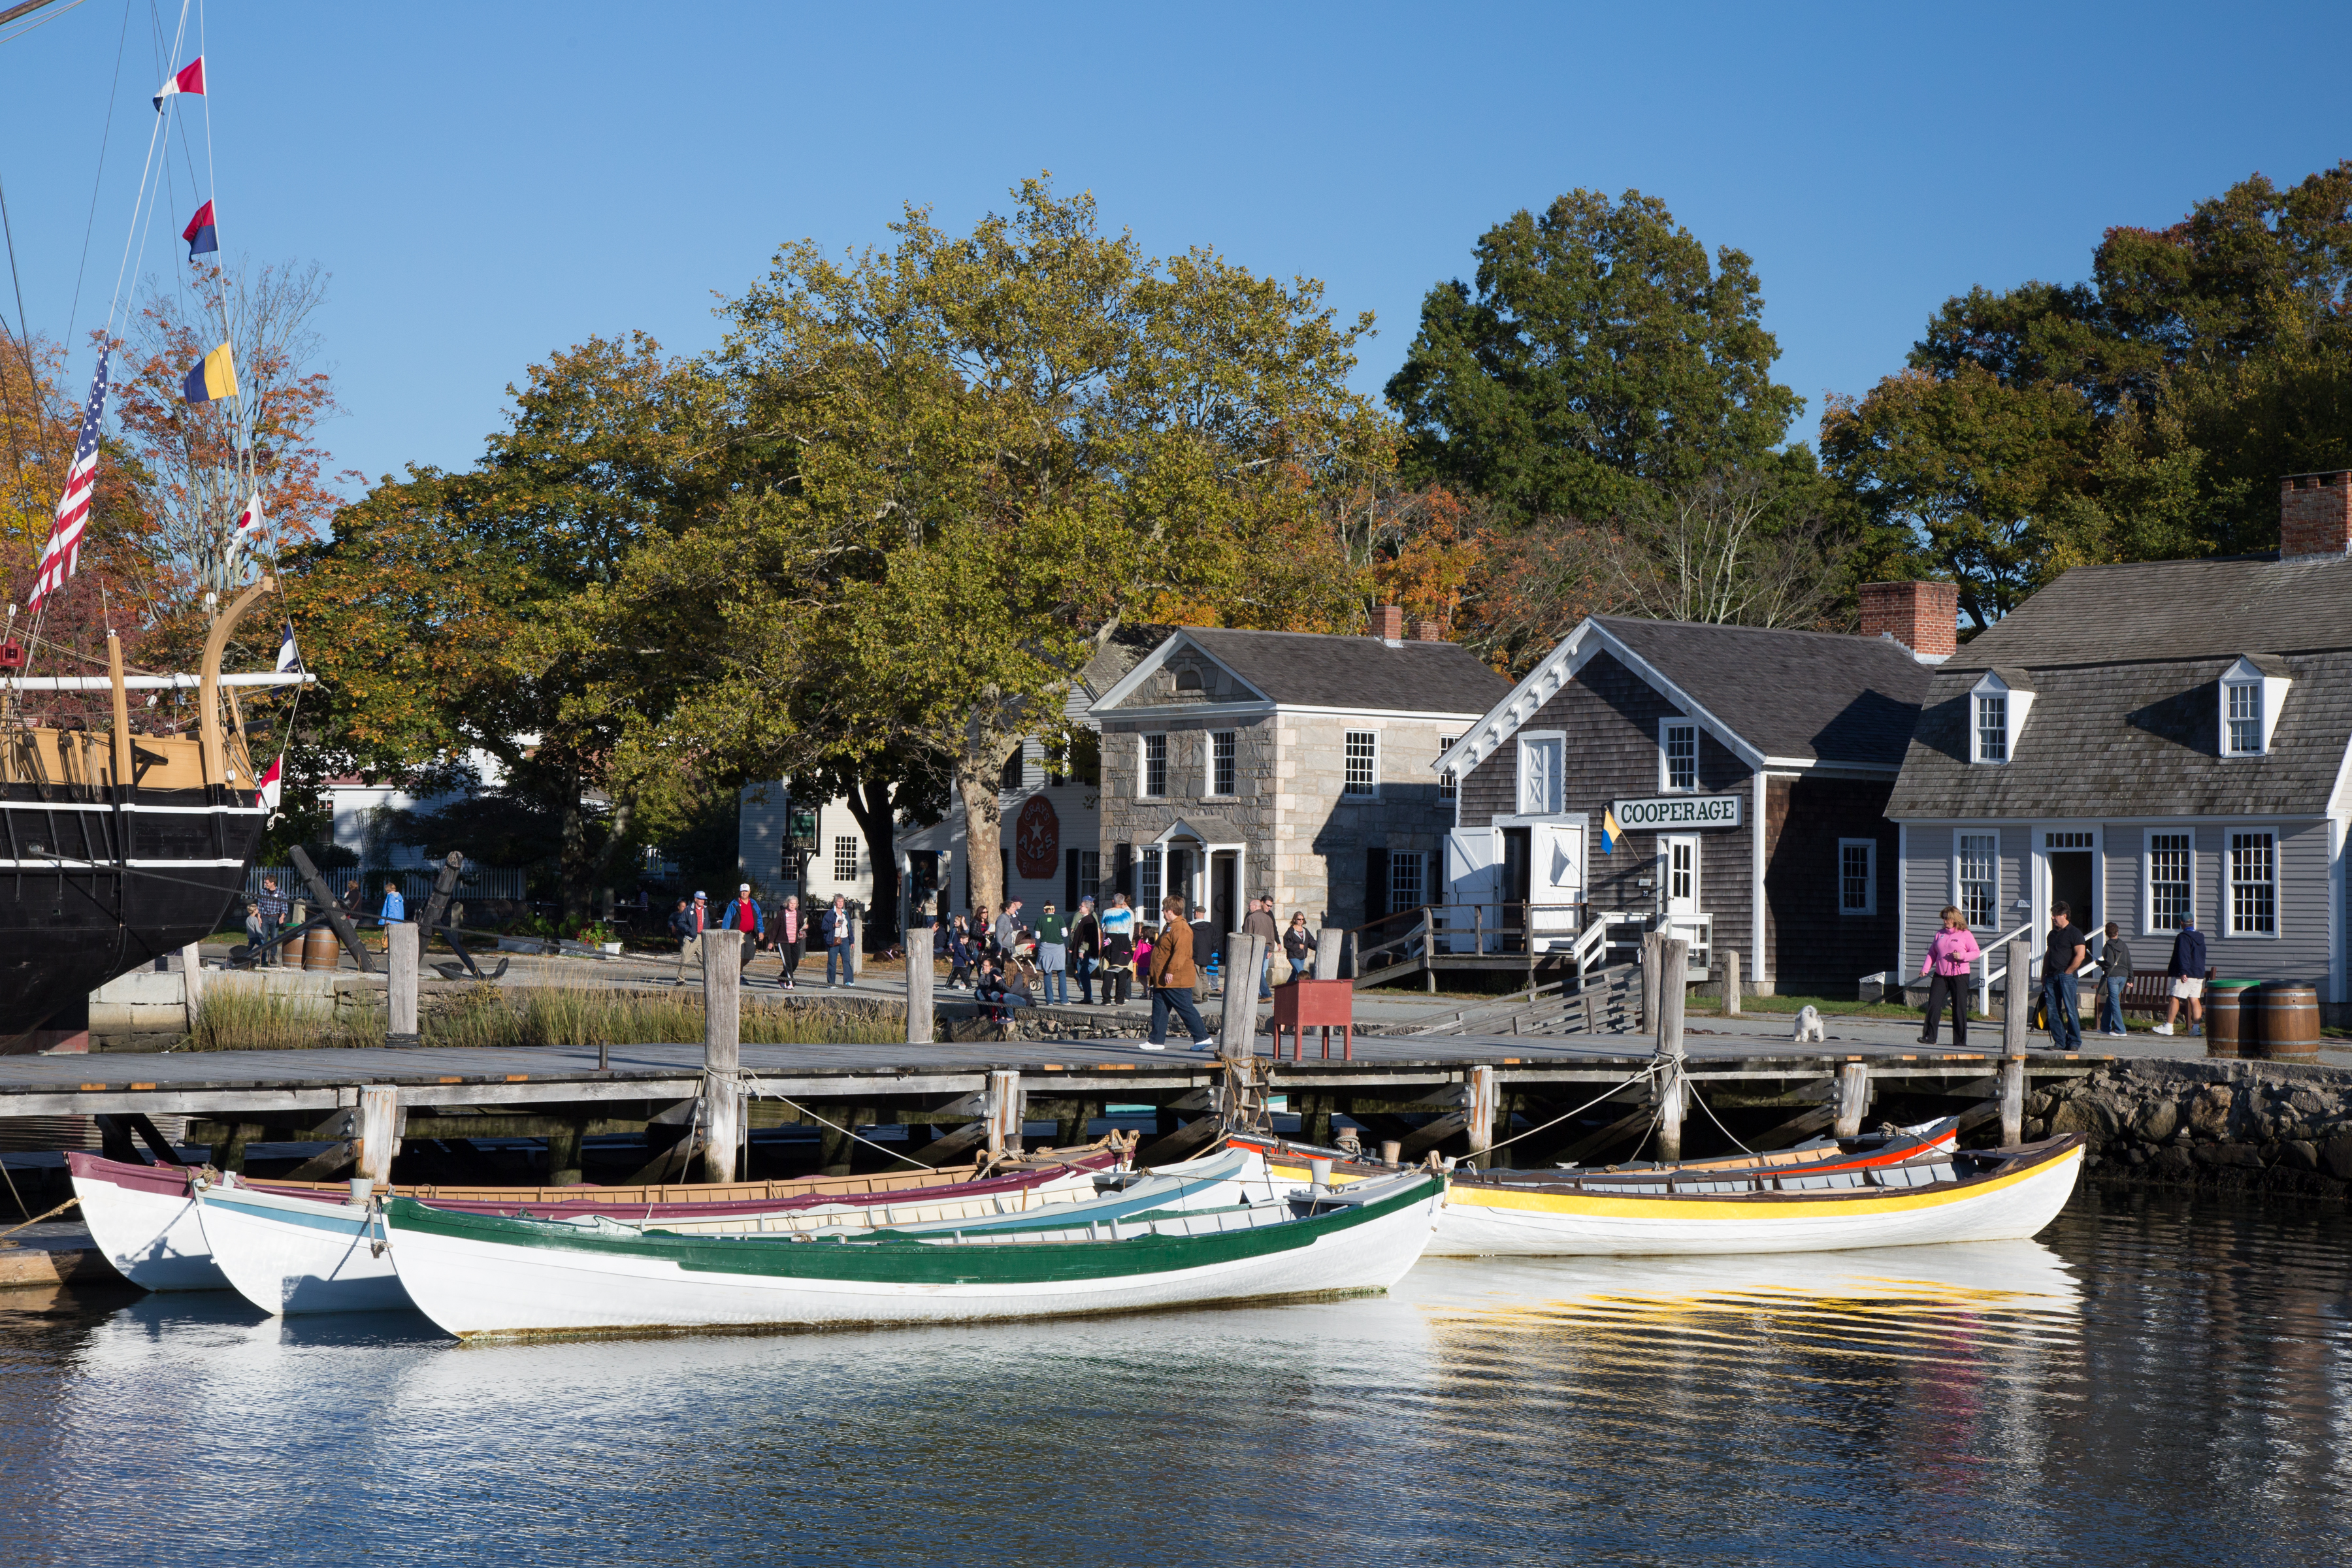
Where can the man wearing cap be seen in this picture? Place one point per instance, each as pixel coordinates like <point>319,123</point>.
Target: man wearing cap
<point>690,922</point>
<point>743,915</point>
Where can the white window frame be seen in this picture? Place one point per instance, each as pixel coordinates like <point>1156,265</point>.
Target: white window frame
<point>1666,727</point>
<point>1143,789</point>
<point>1150,867</point>
<point>1224,762</point>
<point>1869,905</point>
<point>844,842</point>
<point>1979,727</point>
<point>1399,861</point>
<point>2015,703</point>
<point>1448,787</point>
<point>1348,788</point>
<point>2267,692</point>
<point>1960,880</point>
<point>1558,803</point>
<point>1089,876</point>
<point>2230,883</point>
<point>2148,852</point>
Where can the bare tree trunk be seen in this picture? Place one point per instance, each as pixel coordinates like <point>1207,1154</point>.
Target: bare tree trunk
<point>870,802</point>
<point>982,833</point>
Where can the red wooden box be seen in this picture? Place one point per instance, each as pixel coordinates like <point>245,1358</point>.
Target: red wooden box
<point>1304,1005</point>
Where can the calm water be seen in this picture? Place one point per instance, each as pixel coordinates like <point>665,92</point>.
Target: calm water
<point>2157,1381</point>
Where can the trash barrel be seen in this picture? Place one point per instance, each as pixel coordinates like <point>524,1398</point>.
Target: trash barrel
<point>322,949</point>
<point>2290,1022</point>
<point>2228,1018</point>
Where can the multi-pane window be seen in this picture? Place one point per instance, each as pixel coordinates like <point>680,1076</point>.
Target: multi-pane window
<point>1992,728</point>
<point>1979,864</point>
<point>1447,785</point>
<point>2169,888</point>
<point>1363,762</point>
<point>1155,765</point>
<point>845,859</point>
<point>1221,763</point>
<point>1682,872</point>
<point>2254,884</point>
<point>1857,876</point>
<point>1090,873</point>
<point>1679,745</point>
<point>1146,882</point>
<point>2245,718</point>
<point>1405,887</point>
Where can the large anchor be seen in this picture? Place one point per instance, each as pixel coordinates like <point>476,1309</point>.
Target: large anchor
<point>331,915</point>
<point>441,919</point>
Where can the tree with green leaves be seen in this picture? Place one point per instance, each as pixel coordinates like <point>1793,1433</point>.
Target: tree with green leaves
<point>965,461</point>
<point>1597,349</point>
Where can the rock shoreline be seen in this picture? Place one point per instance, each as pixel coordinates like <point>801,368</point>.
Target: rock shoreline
<point>2234,1126</point>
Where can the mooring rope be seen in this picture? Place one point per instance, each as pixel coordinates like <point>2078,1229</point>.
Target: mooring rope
<point>752,1082</point>
<point>37,1220</point>
<point>1649,1071</point>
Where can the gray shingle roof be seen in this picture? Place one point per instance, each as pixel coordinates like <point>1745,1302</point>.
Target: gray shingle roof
<point>2130,739</point>
<point>2173,609</point>
<point>1313,670</point>
<point>1790,694</point>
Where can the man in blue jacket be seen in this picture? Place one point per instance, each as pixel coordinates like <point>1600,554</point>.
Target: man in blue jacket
<point>840,954</point>
<point>2187,972</point>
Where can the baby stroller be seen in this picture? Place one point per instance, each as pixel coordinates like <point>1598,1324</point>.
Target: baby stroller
<point>1021,966</point>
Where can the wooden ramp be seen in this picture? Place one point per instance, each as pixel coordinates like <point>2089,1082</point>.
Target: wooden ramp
<point>1607,1003</point>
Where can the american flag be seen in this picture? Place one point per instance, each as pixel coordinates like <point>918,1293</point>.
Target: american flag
<point>63,552</point>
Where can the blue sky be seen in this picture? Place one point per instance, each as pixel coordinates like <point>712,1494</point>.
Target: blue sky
<point>487,182</point>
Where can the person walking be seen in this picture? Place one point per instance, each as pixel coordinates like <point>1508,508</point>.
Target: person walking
<point>1299,946</point>
<point>270,909</point>
<point>961,960</point>
<point>744,915</point>
<point>2061,961</point>
<point>2187,972</point>
<point>1172,977</point>
<point>689,924</point>
<point>1085,949</point>
<point>792,940</point>
<point>1206,956</point>
<point>1009,930</point>
<point>837,943</point>
<point>1052,957</point>
<point>1118,951</point>
<point>395,907</point>
<point>2115,974</point>
<point>1259,924</point>
<point>1949,953</point>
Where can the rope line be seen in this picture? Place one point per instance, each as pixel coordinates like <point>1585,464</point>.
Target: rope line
<point>1649,1071</point>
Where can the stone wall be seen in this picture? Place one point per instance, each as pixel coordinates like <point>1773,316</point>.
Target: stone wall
<point>2223,1124</point>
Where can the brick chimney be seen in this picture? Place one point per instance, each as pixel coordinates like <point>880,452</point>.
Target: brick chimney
<point>1388,623</point>
<point>1429,631</point>
<point>2315,515</point>
<point>1922,616</point>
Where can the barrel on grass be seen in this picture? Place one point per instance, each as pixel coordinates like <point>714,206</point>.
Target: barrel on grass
<point>2290,1021</point>
<point>2228,1018</point>
<point>321,949</point>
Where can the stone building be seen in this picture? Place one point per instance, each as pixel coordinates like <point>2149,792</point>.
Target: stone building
<point>1746,769</point>
<point>1289,763</point>
<point>2149,740</point>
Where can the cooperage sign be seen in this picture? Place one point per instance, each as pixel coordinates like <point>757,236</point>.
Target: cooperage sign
<point>1668,814</point>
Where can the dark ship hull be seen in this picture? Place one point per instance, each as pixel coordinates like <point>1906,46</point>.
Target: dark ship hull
<point>91,888</point>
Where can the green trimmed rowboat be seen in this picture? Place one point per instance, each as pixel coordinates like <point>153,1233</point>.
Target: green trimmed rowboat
<point>486,1276</point>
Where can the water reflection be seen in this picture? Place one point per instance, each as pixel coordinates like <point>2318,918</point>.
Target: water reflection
<point>2154,1378</point>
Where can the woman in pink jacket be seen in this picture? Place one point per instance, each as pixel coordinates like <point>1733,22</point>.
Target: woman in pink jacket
<point>1949,953</point>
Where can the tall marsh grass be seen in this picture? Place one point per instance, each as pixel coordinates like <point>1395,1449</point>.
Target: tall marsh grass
<point>245,1018</point>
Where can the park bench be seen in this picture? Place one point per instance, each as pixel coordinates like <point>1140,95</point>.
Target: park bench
<point>2149,990</point>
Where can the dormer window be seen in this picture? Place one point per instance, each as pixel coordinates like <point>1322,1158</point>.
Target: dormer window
<point>2253,690</point>
<point>1188,680</point>
<point>1996,707</point>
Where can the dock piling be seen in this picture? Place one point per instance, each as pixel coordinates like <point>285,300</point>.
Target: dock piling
<point>920,1018</point>
<point>1003,1110</point>
<point>1731,982</point>
<point>379,1131</point>
<point>1237,1024</point>
<point>2012,1102</point>
<point>192,982</point>
<point>1670,974</point>
<point>722,1055</point>
<point>1484,1087</point>
<point>403,941</point>
<point>2016,1000</point>
<point>1853,1100</point>
<point>1328,943</point>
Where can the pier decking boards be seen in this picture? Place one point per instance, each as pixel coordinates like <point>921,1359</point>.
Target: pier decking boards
<point>263,1082</point>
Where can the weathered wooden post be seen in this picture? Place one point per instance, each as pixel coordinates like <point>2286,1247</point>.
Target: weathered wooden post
<point>191,978</point>
<point>856,948</point>
<point>1328,945</point>
<point>1650,961</point>
<point>563,1152</point>
<point>1731,982</point>
<point>1484,1090</point>
<point>1672,969</point>
<point>722,1055</point>
<point>1853,1099</point>
<point>2012,1102</point>
<point>379,1131</point>
<point>402,940</point>
<point>1237,1023</point>
<point>920,1017</point>
<point>1004,1107</point>
<point>2016,1000</point>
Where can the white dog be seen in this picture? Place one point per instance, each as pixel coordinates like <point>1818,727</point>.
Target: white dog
<point>1809,1026</point>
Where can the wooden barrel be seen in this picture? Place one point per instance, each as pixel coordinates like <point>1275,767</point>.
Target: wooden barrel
<point>321,949</point>
<point>2290,1022</point>
<point>2228,1017</point>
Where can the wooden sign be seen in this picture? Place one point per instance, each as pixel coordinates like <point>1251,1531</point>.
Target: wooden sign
<point>1677,813</point>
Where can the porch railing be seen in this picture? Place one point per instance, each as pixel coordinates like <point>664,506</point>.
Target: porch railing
<point>1987,973</point>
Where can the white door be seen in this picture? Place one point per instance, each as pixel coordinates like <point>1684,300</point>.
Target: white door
<point>1473,877</point>
<point>1556,882</point>
<point>1678,864</point>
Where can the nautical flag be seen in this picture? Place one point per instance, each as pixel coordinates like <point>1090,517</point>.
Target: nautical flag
<point>1610,831</point>
<point>287,658</point>
<point>199,233</point>
<point>248,523</point>
<point>63,552</point>
<point>189,78</point>
<point>214,379</point>
<point>271,779</point>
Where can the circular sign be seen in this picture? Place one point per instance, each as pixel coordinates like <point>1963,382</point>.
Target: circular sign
<point>1037,838</point>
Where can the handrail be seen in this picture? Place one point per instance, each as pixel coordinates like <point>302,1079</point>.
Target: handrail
<point>1985,953</point>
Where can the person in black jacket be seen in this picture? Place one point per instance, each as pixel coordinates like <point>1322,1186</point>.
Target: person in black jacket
<point>1086,946</point>
<point>1299,946</point>
<point>1204,950</point>
<point>2187,972</point>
